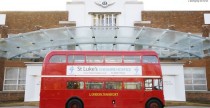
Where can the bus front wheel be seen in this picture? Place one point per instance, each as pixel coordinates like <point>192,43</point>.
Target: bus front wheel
<point>74,103</point>
<point>153,104</point>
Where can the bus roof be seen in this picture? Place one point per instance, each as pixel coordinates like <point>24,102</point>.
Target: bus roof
<point>141,52</point>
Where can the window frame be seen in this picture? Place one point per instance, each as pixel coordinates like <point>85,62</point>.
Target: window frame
<point>18,79</point>
<point>192,79</point>
<point>104,19</point>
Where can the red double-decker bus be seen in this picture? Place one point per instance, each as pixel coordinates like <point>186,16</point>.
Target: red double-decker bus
<point>101,79</point>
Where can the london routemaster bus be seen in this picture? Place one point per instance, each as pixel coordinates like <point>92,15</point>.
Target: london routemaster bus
<point>101,79</point>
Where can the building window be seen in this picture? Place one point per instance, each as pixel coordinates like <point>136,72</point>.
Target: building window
<point>14,79</point>
<point>105,19</point>
<point>195,79</point>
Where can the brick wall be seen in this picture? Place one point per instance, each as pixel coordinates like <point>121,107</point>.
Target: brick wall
<point>201,97</point>
<point>20,22</point>
<point>11,96</point>
<point>208,72</point>
<point>195,63</point>
<point>10,63</point>
<point>1,73</point>
<point>185,21</point>
<point>3,31</point>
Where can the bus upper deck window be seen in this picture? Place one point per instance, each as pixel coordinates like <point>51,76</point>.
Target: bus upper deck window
<point>131,59</point>
<point>79,59</point>
<point>94,59</point>
<point>150,59</point>
<point>113,59</point>
<point>58,59</point>
<point>70,58</point>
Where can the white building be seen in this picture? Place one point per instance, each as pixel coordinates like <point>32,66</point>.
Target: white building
<point>105,12</point>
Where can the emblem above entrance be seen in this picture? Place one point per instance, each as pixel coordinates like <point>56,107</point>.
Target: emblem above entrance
<point>104,3</point>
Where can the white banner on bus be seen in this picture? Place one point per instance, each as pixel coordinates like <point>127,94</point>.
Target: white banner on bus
<point>104,70</point>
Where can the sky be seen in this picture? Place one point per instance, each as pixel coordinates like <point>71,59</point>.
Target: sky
<point>60,5</point>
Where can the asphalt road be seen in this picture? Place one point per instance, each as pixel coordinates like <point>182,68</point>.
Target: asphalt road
<point>186,107</point>
<point>165,107</point>
<point>21,107</point>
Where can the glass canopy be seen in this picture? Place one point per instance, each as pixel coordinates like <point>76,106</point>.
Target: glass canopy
<point>167,43</point>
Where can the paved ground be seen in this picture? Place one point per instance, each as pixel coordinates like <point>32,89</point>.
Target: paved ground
<point>165,107</point>
<point>186,107</point>
<point>20,107</point>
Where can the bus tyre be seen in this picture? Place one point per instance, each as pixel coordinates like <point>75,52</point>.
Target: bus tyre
<point>153,104</point>
<point>74,103</point>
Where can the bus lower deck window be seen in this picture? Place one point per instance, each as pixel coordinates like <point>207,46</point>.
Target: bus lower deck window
<point>148,84</point>
<point>114,85</point>
<point>132,85</point>
<point>158,84</point>
<point>75,85</point>
<point>94,85</point>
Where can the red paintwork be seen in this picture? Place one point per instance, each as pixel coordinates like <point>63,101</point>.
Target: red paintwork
<point>54,93</point>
